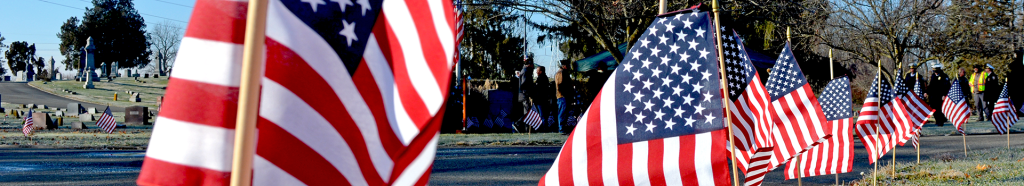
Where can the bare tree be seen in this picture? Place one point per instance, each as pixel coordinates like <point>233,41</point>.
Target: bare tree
<point>166,37</point>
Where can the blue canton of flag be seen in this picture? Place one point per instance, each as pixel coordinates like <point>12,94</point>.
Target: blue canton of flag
<point>786,76</point>
<point>669,82</point>
<point>886,96</point>
<point>738,70</point>
<point>836,101</point>
<point>901,87</point>
<point>345,25</point>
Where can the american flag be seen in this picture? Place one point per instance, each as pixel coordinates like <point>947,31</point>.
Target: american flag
<point>349,96</point>
<point>917,85</point>
<point>1004,115</point>
<point>910,111</point>
<point>533,119</point>
<point>658,119</point>
<point>916,139</point>
<point>835,155</point>
<point>748,102</point>
<point>798,120</point>
<point>27,127</point>
<point>954,105</point>
<point>106,121</point>
<point>873,125</point>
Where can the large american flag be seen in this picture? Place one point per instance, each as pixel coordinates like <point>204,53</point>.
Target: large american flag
<point>796,113</point>
<point>954,105</point>
<point>106,121</point>
<point>28,124</point>
<point>835,155</point>
<point>658,118</point>
<point>910,111</point>
<point>748,102</point>
<point>1004,115</point>
<point>873,126</point>
<point>349,96</point>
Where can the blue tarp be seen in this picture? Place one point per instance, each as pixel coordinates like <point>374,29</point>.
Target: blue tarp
<point>606,61</point>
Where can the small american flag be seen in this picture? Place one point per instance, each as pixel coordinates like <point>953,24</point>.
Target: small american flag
<point>1004,115</point>
<point>533,119</point>
<point>27,127</point>
<point>352,94</point>
<point>748,102</point>
<point>954,105</point>
<point>911,111</point>
<point>835,155</point>
<point>106,121</point>
<point>873,125</point>
<point>658,118</point>
<point>796,113</point>
<point>916,139</point>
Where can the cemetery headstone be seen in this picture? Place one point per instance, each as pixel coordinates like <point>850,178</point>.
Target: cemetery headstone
<point>30,105</point>
<point>86,117</point>
<point>145,76</point>
<point>103,70</point>
<point>136,115</point>
<point>60,121</point>
<point>20,76</point>
<point>59,113</point>
<point>74,108</point>
<point>7,78</point>
<point>92,110</point>
<point>53,76</point>
<point>42,120</point>
<point>30,73</point>
<point>78,125</point>
<point>42,107</point>
<point>89,64</point>
<point>135,97</point>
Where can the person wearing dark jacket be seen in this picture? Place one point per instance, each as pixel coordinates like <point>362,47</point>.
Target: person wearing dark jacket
<point>965,88</point>
<point>992,90</point>
<point>938,87</point>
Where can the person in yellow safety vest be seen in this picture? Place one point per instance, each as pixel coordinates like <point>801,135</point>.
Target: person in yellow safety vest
<point>977,82</point>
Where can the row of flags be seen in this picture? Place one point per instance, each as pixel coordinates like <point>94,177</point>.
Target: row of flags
<point>352,91</point>
<point>105,122</point>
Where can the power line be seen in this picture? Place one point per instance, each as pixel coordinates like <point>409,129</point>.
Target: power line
<point>58,4</point>
<point>174,3</point>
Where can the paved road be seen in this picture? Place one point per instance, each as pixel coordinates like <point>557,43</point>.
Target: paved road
<point>24,166</point>
<point>21,93</point>
<point>525,165</point>
<point>452,166</point>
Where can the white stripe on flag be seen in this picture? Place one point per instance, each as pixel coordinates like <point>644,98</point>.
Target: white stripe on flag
<point>185,143</point>
<point>386,83</point>
<point>640,173</point>
<point>208,61</point>
<point>702,159</point>
<point>266,173</point>
<point>397,13</point>
<point>609,145</point>
<point>419,166</point>
<point>579,153</point>
<point>671,161</point>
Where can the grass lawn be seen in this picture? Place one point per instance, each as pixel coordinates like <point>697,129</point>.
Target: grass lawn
<point>997,166</point>
<point>104,92</point>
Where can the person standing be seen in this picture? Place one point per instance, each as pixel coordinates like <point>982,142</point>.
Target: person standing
<point>525,86</point>
<point>992,90</point>
<point>938,87</point>
<point>563,90</point>
<point>912,77</point>
<point>977,82</point>
<point>541,95</point>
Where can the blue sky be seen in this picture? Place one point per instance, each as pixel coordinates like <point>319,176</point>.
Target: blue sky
<point>38,21</point>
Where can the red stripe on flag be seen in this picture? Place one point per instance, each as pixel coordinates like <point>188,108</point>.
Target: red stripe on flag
<point>176,174</point>
<point>419,143</point>
<point>625,166</point>
<point>411,99</point>
<point>293,156</point>
<point>594,155</point>
<point>297,76</point>
<point>218,104</point>
<point>565,161</point>
<point>433,52</point>
<point>656,161</point>
<point>687,166</point>
<point>371,94</point>
<point>214,19</point>
<point>718,144</point>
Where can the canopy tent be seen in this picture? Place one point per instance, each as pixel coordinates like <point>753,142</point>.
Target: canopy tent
<point>605,61</point>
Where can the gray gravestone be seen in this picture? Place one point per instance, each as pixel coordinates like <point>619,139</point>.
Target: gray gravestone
<point>89,64</point>
<point>42,107</point>
<point>135,97</point>
<point>53,76</point>
<point>78,125</point>
<point>59,113</point>
<point>30,105</point>
<point>113,69</point>
<point>85,117</point>
<point>74,108</point>
<point>42,121</point>
<point>92,110</point>
<point>103,70</point>
<point>136,115</point>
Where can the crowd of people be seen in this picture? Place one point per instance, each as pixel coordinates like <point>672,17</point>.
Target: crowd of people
<point>982,86</point>
<point>551,99</point>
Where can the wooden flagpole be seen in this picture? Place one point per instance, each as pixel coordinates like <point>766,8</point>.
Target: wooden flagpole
<point>725,89</point>
<point>1007,80</point>
<point>248,95</point>
<point>800,173</point>
<point>878,92</point>
<point>964,134</point>
<point>918,137</point>
<point>832,75</point>
<point>895,136</point>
